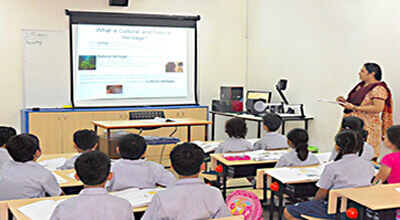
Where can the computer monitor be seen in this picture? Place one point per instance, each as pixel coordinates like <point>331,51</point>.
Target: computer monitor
<point>266,95</point>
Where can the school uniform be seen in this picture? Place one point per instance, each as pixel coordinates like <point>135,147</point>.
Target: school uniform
<point>272,140</point>
<point>70,163</point>
<point>4,156</point>
<point>24,180</point>
<point>233,145</point>
<point>187,199</point>
<point>139,174</point>
<point>292,160</point>
<point>93,203</point>
<point>349,172</point>
<point>368,152</point>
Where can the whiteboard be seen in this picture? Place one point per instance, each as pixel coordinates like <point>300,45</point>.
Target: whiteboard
<point>46,69</point>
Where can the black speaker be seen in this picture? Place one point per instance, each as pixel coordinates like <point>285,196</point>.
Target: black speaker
<point>120,3</point>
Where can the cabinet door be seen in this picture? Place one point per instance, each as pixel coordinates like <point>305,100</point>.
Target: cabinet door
<point>110,115</point>
<point>73,121</point>
<point>47,127</point>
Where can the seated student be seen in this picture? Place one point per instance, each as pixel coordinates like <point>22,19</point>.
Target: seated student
<point>273,140</point>
<point>189,197</point>
<point>93,202</point>
<point>132,171</point>
<point>23,178</point>
<point>5,134</point>
<point>390,163</point>
<point>84,140</point>
<point>347,171</point>
<point>356,124</point>
<point>300,156</point>
<point>236,130</point>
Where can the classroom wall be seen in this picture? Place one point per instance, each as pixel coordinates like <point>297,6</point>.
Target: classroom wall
<point>221,40</point>
<point>319,46</point>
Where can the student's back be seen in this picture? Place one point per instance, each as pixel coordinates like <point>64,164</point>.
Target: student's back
<point>23,178</point>
<point>292,160</point>
<point>5,134</point>
<point>133,172</point>
<point>236,129</point>
<point>367,153</point>
<point>272,140</point>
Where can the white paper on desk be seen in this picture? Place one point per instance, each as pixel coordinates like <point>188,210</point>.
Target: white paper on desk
<point>137,198</point>
<point>52,164</point>
<point>253,140</point>
<point>41,210</point>
<point>233,155</point>
<point>261,155</point>
<point>331,101</point>
<point>59,178</point>
<point>72,175</point>
<point>323,157</point>
<point>287,174</point>
<point>207,146</point>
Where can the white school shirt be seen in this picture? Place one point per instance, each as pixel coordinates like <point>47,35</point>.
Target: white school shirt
<point>139,174</point>
<point>368,152</point>
<point>292,160</point>
<point>272,140</point>
<point>93,203</point>
<point>349,172</point>
<point>234,144</point>
<point>70,163</point>
<point>26,180</point>
<point>187,199</point>
<point>4,156</point>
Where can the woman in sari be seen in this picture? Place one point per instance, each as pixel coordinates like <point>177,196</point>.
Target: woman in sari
<point>367,100</point>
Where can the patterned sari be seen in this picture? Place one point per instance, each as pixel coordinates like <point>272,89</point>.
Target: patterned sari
<point>375,123</point>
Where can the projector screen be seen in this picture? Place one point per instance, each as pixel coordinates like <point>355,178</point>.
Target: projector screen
<point>133,61</point>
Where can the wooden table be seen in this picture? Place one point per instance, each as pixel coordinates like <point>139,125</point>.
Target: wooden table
<point>126,124</point>
<point>54,156</point>
<point>237,168</point>
<point>377,198</point>
<point>257,119</point>
<point>72,182</point>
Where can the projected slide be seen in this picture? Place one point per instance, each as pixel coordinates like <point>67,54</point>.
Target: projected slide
<point>125,62</point>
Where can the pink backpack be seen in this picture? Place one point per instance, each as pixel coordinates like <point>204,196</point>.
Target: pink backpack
<point>246,203</point>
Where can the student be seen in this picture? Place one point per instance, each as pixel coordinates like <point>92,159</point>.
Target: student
<point>93,202</point>
<point>133,171</point>
<point>236,130</point>
<point>189,197</point>
<point>390,163</point>
<point>273,140</point>
<point>84,140</point>
<point>5,134</point>
<point>356,124</point>
<point>347,171</point>
<point>300,156</point>
<point>23,178</point>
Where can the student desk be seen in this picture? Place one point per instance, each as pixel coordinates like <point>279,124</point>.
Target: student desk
<point>376,198</point>
<point>237,168</point>
<point>295,189</point>
<point>72,182</point>
<point>54,156</point>
<point>257,119</point>
<point>126,124</point>
<point>13,205</point>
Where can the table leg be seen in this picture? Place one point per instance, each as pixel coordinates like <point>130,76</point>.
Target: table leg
<point>213,126</point>
<point>283,127</point>
<point>306,124</point>
<point>109,142</point>
<point>338,205</point>
<point>206,133</point>
<point>280,201</point>
<point>95,129</point>
<point>224,185</point>
<point>271,205</point>
<point>189,133</point>
<point>265,188</point>
<point>259,130</point>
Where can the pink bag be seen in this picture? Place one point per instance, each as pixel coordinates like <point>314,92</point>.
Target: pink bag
<point>246,203</point>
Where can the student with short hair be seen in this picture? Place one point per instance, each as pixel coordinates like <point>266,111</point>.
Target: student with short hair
<point>84,140</point>
<point>133,171</point>
<point>93,202</point>
<point>23,178</point>
<point>390,163</point>
<point>236,129</point>
<point>356,124</point>
<point>272,140</point>
<point>299,156</point>
<point>347,171</point>
<point>5,134</point>
<point>189,197</point>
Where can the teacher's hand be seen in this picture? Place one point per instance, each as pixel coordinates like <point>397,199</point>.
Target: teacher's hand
<point>340,99</point>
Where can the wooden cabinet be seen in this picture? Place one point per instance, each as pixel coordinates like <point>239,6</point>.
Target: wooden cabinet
<point>55,128</point>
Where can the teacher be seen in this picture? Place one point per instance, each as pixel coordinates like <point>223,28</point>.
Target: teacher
<point>367,100</point>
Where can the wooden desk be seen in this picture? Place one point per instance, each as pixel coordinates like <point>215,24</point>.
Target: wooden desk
<point>54,156</point>
<point>72,182</point>
<point>13,205</point>
<point>378,197</point>
<point>237,168</point>
<point>257,119</point>
<point>125,124</point>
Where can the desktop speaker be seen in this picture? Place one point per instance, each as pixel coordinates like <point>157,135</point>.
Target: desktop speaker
<point>120,3</point>
<point>232,93</point>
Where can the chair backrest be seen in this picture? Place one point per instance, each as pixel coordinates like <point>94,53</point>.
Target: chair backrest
<point>246,203</point>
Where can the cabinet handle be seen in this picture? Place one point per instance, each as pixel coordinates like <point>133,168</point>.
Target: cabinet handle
<point>177,114</point>
<point>126,114</point>
<point>58,116</point>
<point>65,116</point>
<point>183,113</point>
<point>120,115</point>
